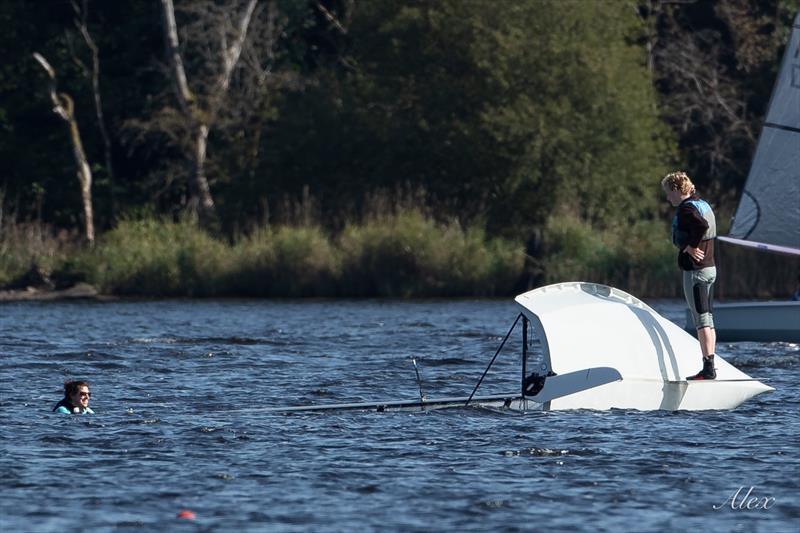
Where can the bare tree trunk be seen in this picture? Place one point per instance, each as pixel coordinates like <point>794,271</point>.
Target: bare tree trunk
<point>188,104</point>
<point>202,120</point>
<point>83,27</point>
<point>64,107</point>
<point>84,175</point>
<point>230,55</point>
<point>202,192</point>
<point>185,96</point>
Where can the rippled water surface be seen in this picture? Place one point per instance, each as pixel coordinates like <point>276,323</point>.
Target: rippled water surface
<point>177,387</point>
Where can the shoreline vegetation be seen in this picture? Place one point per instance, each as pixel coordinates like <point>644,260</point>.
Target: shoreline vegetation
<point>375,149</point>
<point>406,254</point>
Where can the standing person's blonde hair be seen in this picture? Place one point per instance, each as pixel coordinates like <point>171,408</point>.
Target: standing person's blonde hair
<point>678,181</point>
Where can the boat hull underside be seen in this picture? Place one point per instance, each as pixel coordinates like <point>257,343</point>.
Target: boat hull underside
<point>650,394</point>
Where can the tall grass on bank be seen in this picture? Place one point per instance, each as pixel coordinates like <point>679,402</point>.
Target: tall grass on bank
<point>159,258</point>
<point>639,259</point>
<point>32,245</point>
<point>284,261</point>
<point>405,254</point>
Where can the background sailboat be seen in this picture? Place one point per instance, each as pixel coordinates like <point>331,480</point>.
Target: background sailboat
<point>768,215</point>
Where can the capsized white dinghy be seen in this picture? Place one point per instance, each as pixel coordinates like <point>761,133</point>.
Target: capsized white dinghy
<point>602,349</point>
<point>584,325</point>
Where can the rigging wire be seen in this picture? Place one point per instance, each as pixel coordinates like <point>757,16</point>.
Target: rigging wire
<point>493,359</point>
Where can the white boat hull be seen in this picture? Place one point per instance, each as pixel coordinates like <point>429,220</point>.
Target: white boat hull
<point>584,325</point>
<point>755,321</point>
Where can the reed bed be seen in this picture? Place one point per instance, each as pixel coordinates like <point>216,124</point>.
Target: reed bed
<point>404,252</point>
<point>32,246</point>
<point>639,258</point>
<point>409,254</point>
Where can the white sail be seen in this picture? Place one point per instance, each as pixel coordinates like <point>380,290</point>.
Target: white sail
<point>768,215</point>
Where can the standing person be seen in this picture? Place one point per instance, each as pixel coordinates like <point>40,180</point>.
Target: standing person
<point>76,399</point>
<point>693,230</point>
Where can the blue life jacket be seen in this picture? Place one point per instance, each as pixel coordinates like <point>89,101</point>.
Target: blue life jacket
<point>71,409</point>
<point>680,237</point>
<point>66,404</point>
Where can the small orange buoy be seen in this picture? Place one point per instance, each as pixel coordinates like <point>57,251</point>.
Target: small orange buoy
<point>188,515</point>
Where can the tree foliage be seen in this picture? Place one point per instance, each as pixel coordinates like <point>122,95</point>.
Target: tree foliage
<point>714,65</point>
<point>506,114</point>
<point>502,114</point>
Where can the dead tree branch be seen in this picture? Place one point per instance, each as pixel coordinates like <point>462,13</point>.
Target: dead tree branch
<point>64,107</point>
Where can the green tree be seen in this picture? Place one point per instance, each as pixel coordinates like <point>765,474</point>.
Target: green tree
<point>504,112</point>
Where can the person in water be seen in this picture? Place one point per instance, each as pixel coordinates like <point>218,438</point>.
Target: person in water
<point>693,230</point>
<point>76,399</point>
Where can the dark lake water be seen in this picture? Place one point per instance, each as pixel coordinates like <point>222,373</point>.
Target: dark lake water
<point>177,387</point>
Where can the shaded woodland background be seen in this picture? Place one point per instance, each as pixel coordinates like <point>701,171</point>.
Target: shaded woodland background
<point>378,147</point>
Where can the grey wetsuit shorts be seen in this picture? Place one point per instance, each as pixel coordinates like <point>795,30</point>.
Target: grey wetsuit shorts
<point>698,290</point>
